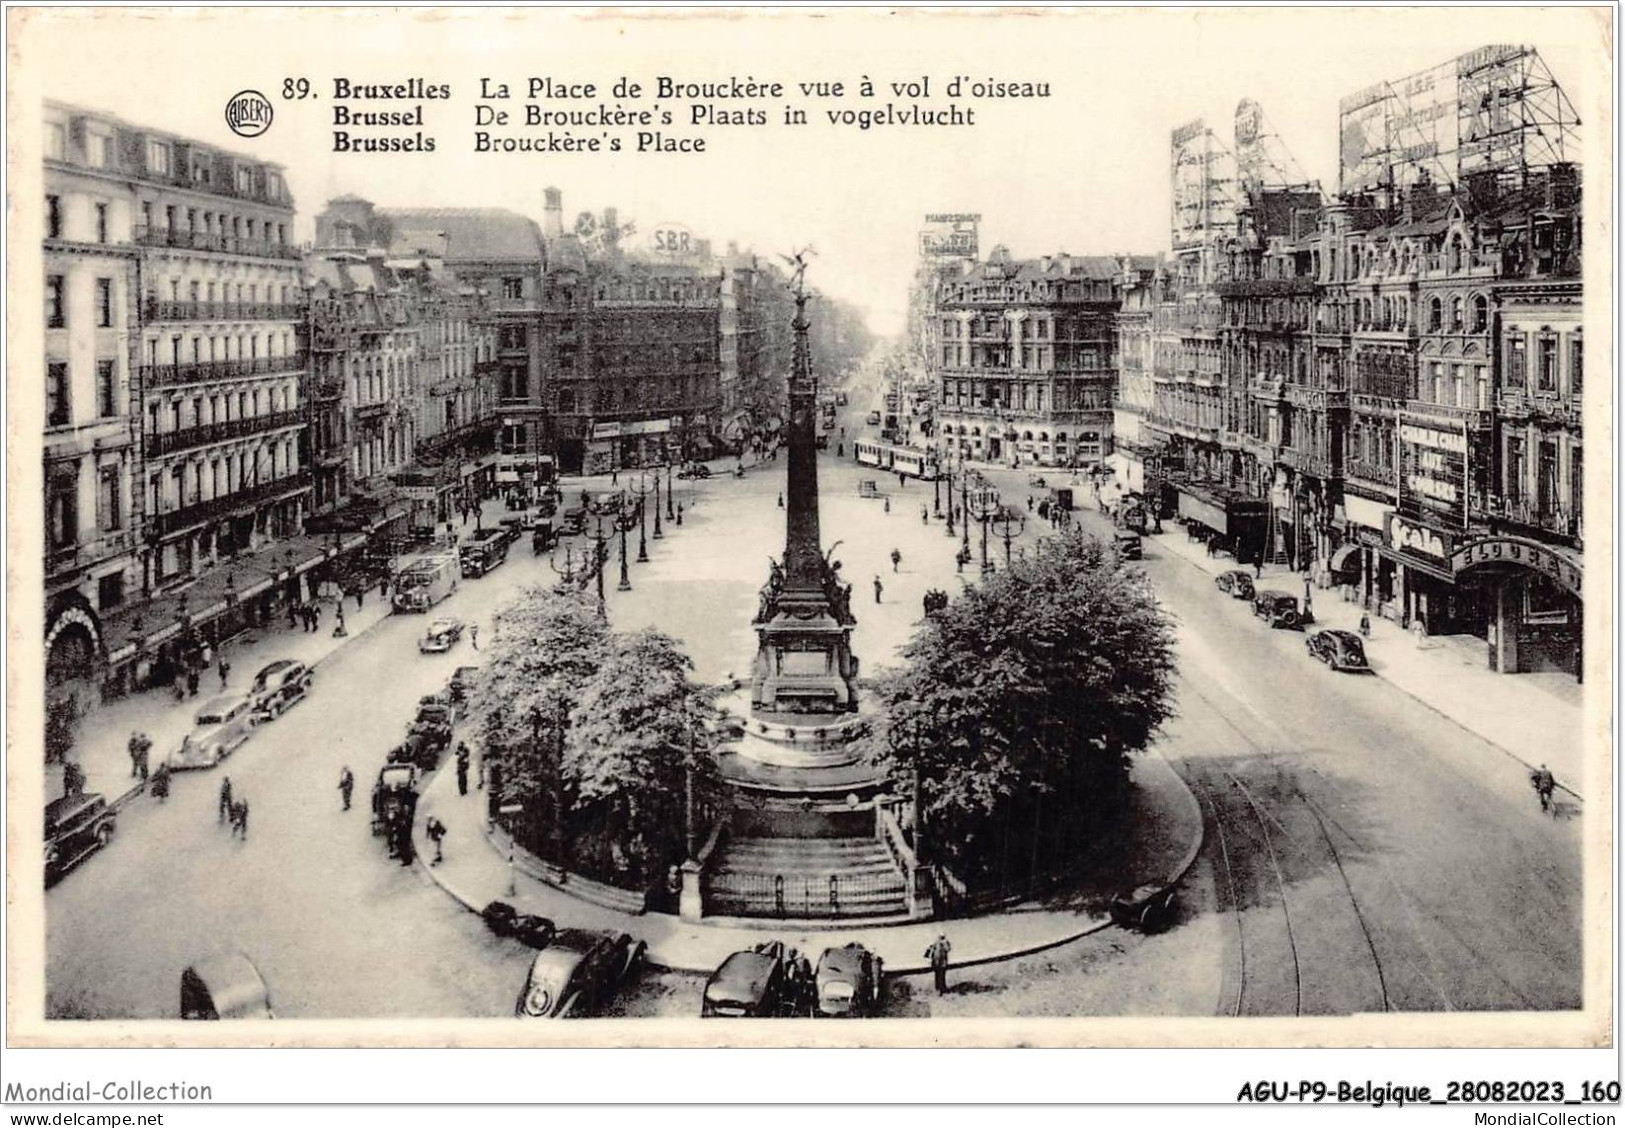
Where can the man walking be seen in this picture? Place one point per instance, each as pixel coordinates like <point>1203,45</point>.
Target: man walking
<point>877,589</point>
<point>225,799</point>
<point>135,754</point>
<point>1545,785</point>
<point>474,635</point>
<point>239,819</point>
<point>346,785</point>
<point>896,559</point>
<point>436,832</point>
<point>462,768</point>
<point>937,953</point>
<point>225,671</point>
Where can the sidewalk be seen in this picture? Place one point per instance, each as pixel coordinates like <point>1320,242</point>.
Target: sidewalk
<point>475,872</point>
<point>104,734</point>
<point>1534,718</point>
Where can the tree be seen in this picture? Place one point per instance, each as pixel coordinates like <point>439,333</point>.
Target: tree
<point>625,756</point>
<point>544,647</point>
<point>1020,703</point>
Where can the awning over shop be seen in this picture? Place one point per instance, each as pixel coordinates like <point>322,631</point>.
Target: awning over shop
<point>1345,557</point>
<point>1193,507</point>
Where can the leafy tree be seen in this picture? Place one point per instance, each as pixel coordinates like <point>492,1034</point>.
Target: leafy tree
<point>1019,706</point>
<point>625,755</point>
<point>544,647</point>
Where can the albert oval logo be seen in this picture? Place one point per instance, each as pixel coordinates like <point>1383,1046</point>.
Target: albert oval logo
<point>248,113</point>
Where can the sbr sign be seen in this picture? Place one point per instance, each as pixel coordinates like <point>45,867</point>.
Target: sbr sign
<point>673,239</point>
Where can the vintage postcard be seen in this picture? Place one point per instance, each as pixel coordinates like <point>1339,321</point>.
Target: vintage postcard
<point>934,528</point>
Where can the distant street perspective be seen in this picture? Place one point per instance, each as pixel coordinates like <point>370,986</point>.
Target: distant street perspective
<point>464,615</point>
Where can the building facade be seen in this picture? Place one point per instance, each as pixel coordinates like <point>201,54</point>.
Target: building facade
<point>1026,361</point>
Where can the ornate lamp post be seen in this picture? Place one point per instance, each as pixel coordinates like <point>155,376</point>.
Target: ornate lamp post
<point>987,505</point>
<point>949,528</point>
<point>964,513</point>
<point>1009,524</point>
<point>568,574</point>
<point>623,521</point>
<point>600,546</point>
<point>670,516</point>
<point>643,541</point>
<point>658,534</point>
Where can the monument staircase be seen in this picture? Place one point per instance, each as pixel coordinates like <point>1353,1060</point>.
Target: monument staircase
<point>806,878</point>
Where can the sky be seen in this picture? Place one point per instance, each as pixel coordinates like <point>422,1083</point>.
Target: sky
<point>1084,170</point>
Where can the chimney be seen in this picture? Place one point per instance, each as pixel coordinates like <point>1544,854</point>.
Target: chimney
<point>553,213</point>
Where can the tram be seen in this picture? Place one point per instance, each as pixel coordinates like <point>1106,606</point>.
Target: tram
<point>912,461</point>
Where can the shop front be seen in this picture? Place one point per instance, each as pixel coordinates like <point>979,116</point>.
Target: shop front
<point>1417,583</point>
<point>1230,521</point>
<point>1532,599</point>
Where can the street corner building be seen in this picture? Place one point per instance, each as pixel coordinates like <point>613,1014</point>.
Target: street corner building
<point>1380,387</point>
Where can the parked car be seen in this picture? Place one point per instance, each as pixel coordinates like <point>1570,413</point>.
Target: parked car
<point>222,987</point>
<point>442,634</point>
<point>1238,583</point>
<point>1149,908</point>
<point>1130,546</point>
<point>757,983</point>
<point>504,920</point>
<point>577,973</point>
<point>394,794</point>
<point>873,419</point>
<point>574,520</point>
<point>279,685</point>
<point>1278,609</point>
<point>1340,650</point>
<point>76,826</point>
<point>694,470</point>
<point>848,983</point>
<point>222,725</point>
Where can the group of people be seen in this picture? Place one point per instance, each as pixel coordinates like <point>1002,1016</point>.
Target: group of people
<point>233,809</point>
<point>310,616</point>
<point>157,780</point>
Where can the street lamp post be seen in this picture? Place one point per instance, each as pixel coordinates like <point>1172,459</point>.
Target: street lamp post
<point>964,511</point>
<point>643,542</point>
<point>625,523</point>
<point>949,529</point>
<point>1009,524</point>
<point>600,555</point>
<point>658,534</point>
<point>987,505</point>
<point>569,573</point>
<point>670,516</point>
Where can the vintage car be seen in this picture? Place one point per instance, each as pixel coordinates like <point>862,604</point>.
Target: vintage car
<point>848,983</point>
<point>441,635</point>
<point>577,973</point>
<point>504,920</point>
<point>1236,582</point>
<point>1340,650</point>
<point>221,987</point>
<point>758,983</point>
<point>76,826</point>
<point>394,794</point>
<point>694,470</point>
<point>840,399</point>
<point>1130,546</point>
<point>873,419</point>
<point>1037,481</point>
<point>573,521</point>
<point>279,685</point>
<point>1149,908</point>
<point>222,726</point>
<point>1278,609</point>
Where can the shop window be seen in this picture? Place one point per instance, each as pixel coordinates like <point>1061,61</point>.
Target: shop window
<point>1544,601</point>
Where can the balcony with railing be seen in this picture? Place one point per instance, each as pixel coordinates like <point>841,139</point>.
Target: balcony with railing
<point>438,445</point>
<point>145,236</point>
<point>199,512</point>
<point>188,438</point>
<point>153,310</point>
<point>198,371</point>
<point>1447,415</point>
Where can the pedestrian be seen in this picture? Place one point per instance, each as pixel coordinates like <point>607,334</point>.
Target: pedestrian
<point>225,671</point>
<point>73,778</point>
<point>474,635</point>
<point>294,611</point>
<point>338,623</point>
<point>615,477</point>
<point>346,785</point>
<point>191,683</point>
<point>142,749</point>
<point>937,953</point>
<point>160,783</point>
<point>360,594</point>
<point>877,589</point>
<point>225,799</point>
<point>925,514</point>
<point>135,754</point>
<point>479,776</point>
<point>896,559</point>
<point>888,505</point>
<point>902,480</point>
<point>436,832</point>
<point>239,819</point>
<point>462,769</point>
<point>1545,785</point>
<point>383,586</point>
<point>1365,624</point>
<point>1258,564</point>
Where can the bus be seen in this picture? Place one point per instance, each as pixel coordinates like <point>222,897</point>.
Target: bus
<point>911,461</point>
